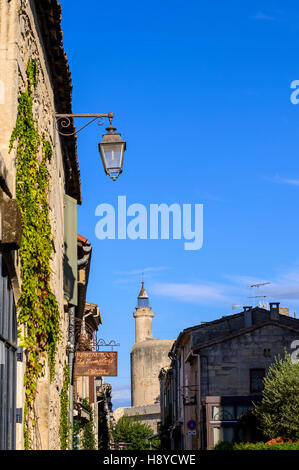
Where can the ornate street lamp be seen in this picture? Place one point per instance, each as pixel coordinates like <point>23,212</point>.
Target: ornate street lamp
<point>111,148</point>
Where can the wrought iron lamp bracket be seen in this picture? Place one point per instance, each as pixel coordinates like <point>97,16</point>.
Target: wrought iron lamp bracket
<point>102,343</point>
<point>64,121</point>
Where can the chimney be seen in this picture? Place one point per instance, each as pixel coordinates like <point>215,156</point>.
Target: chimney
<point>274,310</point>
<point>284,311</point>
<point>247,316</point>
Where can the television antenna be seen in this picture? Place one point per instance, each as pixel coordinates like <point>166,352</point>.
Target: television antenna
<point>258,296</point>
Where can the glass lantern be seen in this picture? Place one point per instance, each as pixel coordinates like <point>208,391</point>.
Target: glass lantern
<point>112,150</point>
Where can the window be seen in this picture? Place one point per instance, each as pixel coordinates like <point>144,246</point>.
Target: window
<point>8,350</point>
<point>223,434</point>
<point>223,413</point>
<point>256,380</point>
<point>242,409</point>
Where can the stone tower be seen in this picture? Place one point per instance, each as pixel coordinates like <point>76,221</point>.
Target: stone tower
<point>148,355</point>
<point>143,317</point>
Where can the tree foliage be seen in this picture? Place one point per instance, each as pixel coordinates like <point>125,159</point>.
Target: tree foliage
<point>133,432</point>
<point>278,414</point>
<point>256,446</point>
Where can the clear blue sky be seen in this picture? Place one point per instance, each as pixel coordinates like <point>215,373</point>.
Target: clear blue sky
<point>201,93</point>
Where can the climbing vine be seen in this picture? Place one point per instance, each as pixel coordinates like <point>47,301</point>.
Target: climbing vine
<point>88,437</point>
<point>38,311</point>
<point>65,425</point>
<point>83,432</point>
<point>77,426</point>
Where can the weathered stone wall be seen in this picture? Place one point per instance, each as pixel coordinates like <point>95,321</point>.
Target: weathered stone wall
<point>225,366</point>
<point>143,323</point>
<point>216,329</point>
<point>147,359</point>
<point>148,414</point>
<point>20,40</point>
<point>226,325</point>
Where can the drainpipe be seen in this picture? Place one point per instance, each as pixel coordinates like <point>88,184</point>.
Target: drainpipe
<point>175,392</point>
<point>206,391</point>
<point>83,261</point>
<point>199,394</point>
<point>175,401</point>
<point>71,346</point>
<point>87,314</point>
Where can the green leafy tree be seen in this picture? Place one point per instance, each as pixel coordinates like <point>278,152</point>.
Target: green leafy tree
<point>278,414</point>
<point>133,432</point>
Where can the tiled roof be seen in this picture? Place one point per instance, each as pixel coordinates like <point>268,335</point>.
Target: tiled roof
<point>241,332</point>
<point>82,239</point>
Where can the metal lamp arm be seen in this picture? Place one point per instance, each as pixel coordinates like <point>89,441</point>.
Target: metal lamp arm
<point>64,121</point>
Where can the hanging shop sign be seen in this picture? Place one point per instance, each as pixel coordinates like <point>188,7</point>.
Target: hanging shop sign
<point>96,363</point>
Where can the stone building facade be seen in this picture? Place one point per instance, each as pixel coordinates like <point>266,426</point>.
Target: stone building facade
<point>30,30</point>
<point>149,414</point>
<point>216,374</point>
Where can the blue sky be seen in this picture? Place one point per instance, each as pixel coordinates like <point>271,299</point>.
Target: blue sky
<point>201,93</point>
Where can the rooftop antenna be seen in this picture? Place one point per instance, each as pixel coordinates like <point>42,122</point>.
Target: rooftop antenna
<point>258,296</point>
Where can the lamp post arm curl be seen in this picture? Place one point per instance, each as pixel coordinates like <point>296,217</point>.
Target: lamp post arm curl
<point>65,121</point>
<point>111,148</point>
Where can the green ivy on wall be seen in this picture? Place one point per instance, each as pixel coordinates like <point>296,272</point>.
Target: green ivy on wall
<point>77,426</point>
<point>65,425</point>
<point>83,432</point>
<point>88,441</point>
<point>38,311</point>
